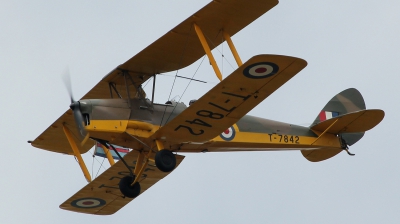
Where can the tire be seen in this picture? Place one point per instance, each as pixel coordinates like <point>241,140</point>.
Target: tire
<point>126,189</point>
<point>165,160</point>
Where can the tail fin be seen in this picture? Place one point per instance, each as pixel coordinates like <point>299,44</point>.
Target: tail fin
<point>347,101</point>
<point>343,104</point>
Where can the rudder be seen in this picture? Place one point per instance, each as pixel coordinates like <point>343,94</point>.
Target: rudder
<point>347,101</point>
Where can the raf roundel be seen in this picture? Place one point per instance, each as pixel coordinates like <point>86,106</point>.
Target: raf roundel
<point>260,70</point>
<point>228,134</point>
<point>88,203</point>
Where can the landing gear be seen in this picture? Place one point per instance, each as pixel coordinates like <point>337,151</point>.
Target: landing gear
<point>165,160</point>
<point>126,189</point>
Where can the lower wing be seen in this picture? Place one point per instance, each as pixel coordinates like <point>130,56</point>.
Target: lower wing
<point>231,99</point>
<point>103,197</point>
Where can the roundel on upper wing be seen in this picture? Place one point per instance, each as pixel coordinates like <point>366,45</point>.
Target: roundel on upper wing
<point>88,202</point>
<point>260,70</point>
<point>228,134</point>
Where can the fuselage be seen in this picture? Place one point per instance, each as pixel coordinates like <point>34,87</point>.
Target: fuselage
<point>132,123</point>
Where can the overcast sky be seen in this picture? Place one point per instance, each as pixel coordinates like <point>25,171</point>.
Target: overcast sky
<point>346,44</point>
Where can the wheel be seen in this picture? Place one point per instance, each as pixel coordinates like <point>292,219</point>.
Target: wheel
<point>126,189</point>
<point>165,160</point>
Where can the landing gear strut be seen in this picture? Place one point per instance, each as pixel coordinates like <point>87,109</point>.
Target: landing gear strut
<point>127,189</point>
<point>165,160</point>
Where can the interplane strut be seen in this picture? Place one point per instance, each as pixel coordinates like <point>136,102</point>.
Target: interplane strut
<point>210,56</point>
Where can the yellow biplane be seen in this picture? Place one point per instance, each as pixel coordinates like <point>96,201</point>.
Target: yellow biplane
<point>117,112</point>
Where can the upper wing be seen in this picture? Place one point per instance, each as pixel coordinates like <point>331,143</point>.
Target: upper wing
<point>103,197</point>
<point>181,47</point>
<point>177,49</point>
<point>231,99</point>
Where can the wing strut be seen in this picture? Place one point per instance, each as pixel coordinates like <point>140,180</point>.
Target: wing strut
<point>77,153</point>
<point>319,136</point>
<point>210,56</point>
<point>233,48</point>
<point>112,86</point>
<point>108,154</point>
<point>153,90</point>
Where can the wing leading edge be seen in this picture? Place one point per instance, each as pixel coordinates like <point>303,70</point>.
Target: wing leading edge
<point>231,99</point>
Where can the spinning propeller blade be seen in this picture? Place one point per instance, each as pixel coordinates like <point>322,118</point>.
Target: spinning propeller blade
<point>75,105</point>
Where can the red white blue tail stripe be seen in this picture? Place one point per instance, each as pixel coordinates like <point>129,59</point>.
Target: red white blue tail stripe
<point>326,115</point>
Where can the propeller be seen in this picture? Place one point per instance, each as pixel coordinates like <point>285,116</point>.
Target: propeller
<point>75,106</point>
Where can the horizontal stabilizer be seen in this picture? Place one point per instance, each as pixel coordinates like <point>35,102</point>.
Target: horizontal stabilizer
<point>318,155</point>
<point>359,121</point>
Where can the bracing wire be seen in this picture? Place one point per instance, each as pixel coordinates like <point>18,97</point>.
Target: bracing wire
<point>180,62</point>
<point>186,87</point>
<point>173,84</point>
<point>219,51</point>
<point>203,81</point>
<point>94,150</point>
<point>101,165</point>
<point>222,56</point>
<point>147,82</point>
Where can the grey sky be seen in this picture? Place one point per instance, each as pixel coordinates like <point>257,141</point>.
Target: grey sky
<point>346,43</point>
